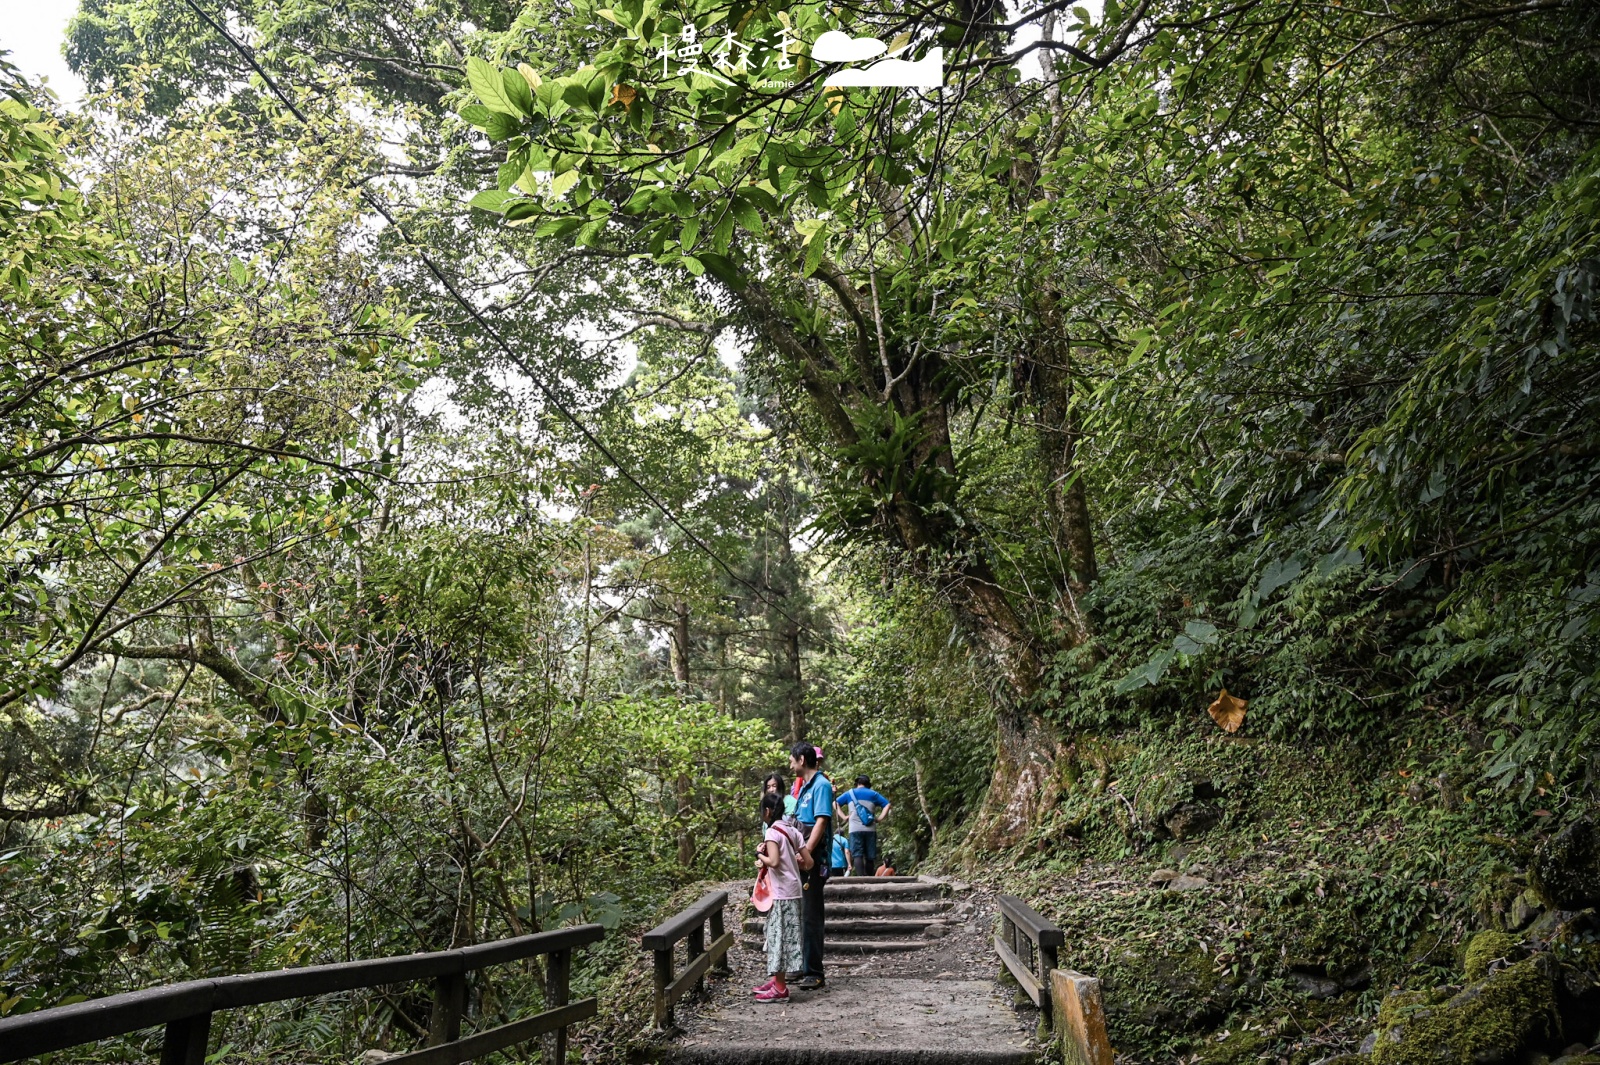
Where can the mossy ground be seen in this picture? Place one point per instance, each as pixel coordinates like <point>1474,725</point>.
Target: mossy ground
<point>1334,876</point>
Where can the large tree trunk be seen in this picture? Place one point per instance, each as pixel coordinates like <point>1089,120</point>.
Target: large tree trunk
<point>855,390</point>
<point>1047,373</point>
<point>1026,745</point>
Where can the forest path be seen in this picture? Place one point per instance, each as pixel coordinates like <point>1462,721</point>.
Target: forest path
<point>910,981</point>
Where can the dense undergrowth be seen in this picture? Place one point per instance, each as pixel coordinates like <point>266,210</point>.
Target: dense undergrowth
<point>1320,878</point>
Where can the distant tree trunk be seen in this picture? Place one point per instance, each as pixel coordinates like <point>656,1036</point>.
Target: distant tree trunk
<point>795,685</point>
<point>680,673</point>
<point>680,643</point>
<point>722,674</point>
<point>794,692</point>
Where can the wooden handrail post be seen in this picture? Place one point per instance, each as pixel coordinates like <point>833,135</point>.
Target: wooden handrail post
<point>696,943</point>
<point>449,1000</point>
<point>1047,1013</point>
<point>557,988</point>
<point>663,979</point>
<point>721,966</point>
<point>186,1039</point>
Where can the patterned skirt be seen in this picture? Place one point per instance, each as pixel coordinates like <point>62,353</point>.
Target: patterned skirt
<point>783,937</point>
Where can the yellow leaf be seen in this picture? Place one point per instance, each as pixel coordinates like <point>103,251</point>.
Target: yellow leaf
<point>1228,711</point>
<point>623,94</point>
<point>530,75</point>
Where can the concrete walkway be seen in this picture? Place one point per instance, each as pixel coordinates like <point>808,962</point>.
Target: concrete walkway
<point>939,1005</point>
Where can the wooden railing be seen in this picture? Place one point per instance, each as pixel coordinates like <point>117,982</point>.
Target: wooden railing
<point>1028,943</point>
<point>688,927</point>
<point>186,1009</point>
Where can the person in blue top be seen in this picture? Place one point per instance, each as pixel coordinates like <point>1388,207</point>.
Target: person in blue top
<point>841,855</point>
<point>814,812</point>
<point>867,809</point>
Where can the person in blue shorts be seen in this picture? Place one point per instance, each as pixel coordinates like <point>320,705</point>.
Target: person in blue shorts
<point>867,809</point>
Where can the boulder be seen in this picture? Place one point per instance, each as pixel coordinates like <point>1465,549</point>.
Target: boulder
<point>1181,991</point>
<point>1190,819</point>
<point>1565,871</point>
<point>1484,949</point>
<point>1523,910</point>
<point>1491,1022</point>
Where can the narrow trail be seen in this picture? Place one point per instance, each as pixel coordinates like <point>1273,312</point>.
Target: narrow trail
<point>911,980</point>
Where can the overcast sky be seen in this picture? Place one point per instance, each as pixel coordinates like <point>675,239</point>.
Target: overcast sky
<point>31,30</point>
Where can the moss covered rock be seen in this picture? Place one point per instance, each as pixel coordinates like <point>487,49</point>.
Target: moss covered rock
<point>1399,1006</point>
<point>1486,947</point>
<point>1178,991</point>
<point>1240,1046</point>
<point>1565,871</point>
<point>1488,1023</point>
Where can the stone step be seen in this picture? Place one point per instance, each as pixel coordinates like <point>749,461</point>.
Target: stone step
<point>758,944</point>
<point>777,1053</point>
<point>864,889</point>
<point>851,926</point>
<point>848,908</point>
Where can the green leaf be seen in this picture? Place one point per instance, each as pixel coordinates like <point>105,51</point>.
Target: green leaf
<point>748,216</point>
<point>491,200</point>
<point>1338,559</point>
<point>1277,575</point>
<point>510,171</point>
<point>1201,631</point>
<point>502,127</point>
<point>814,249</point>
<point>695,266</point>
<point>558,227</point>
<point>757,196</point>
<point>721,267</point>
<point>517,90</point>
<point>1142,345</point>
<point>485,80</point>
<point>561,183</point>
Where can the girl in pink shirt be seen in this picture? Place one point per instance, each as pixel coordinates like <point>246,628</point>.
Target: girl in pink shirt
<point>777,855</point>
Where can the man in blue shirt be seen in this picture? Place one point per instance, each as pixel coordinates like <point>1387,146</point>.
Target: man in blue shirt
<point>814,811</point>
<point>867,808</point>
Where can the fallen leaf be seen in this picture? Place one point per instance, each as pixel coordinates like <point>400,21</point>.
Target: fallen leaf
<point>1541,813</point>
<point>623,94</point>
<point>1228,711</point>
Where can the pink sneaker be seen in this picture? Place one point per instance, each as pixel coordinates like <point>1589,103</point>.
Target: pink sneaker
<point>762,987</point>
<point>772,994</point>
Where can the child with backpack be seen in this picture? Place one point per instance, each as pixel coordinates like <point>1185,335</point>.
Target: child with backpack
<point>777,858</point>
